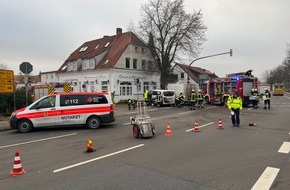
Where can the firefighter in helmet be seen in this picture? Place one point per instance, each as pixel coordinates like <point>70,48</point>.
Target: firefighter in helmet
<point>179,100</point>
<point>192,100</point>
<point>267,98</point>
<point>158,99</point>
<point>131,104</point>
<point>200,99</point>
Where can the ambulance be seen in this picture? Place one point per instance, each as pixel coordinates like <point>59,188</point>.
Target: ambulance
<point>65,109</point>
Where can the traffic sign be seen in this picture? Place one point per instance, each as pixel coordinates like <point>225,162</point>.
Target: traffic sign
<point>26,67</point>
<point>6,81</point>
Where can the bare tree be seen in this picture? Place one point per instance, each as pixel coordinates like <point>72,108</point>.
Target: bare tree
<point>3,66</point>
<point>169,30</point>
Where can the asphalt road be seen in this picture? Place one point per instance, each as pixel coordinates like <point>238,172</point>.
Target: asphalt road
<point>231,158</point>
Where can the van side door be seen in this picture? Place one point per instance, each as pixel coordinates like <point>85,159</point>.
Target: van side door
<point>44,113</point>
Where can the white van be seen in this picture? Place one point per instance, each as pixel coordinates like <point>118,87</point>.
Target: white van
<point>167,97</point>
<point>63,109</point>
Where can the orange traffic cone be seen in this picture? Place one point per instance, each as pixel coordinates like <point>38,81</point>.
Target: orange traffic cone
<point>17,167</point>
<point>196,129</point>
<point>220,126</point>
<point>168,130</point>
<point>90,146</point>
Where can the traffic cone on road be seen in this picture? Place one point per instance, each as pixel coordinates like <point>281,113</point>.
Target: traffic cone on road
<point>196,128</point>
<point>168,130</point>
<point>17,167</point>
<point>90,146</point>
<point>220,125</point>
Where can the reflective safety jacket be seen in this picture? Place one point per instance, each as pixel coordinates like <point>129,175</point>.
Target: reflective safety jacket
<point>146,95</point>
<point>193,97</point>
<point>180,97</point>
<point>200,96</point>
<point>235,103</point>
<point>268,95</point>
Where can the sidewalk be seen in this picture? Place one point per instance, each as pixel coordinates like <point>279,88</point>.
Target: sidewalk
<point>4,125</point>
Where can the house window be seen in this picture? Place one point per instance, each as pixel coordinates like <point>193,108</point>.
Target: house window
<point>150,65</point>
<point>46,76</point>
<point>107,44</point>
<point>125,88</point>
<point>146,86</point>
<point>88,64</point>
<point>136,49</point>
<point>92,86</point>
<point>51,76</point>
<point>127,62</point>
<point>83,49</point>
<point>144,65</point>
<point>106,62</point>
<point>182,75</point>
<point>134,63</point>
<point>97,46</point>
<point>154,85</point>
<point>104,86</point>
<point>143,50</point>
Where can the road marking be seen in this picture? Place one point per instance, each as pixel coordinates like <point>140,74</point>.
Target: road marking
<point>200,126</point>
<point>39,140</point>
<point>210,107</point>
<point>266,179</point>
<point>184,112</point>
<point>250,108</point>
<point>285,148</point>
<point>130,122</point>
<point>98,158</point>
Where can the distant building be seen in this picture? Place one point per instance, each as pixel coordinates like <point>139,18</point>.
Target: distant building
<point>48,77</point>
<point>113,64</point>
<point>189,74</point>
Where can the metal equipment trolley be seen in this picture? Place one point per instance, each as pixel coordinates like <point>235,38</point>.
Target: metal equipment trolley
<point>142,125</point>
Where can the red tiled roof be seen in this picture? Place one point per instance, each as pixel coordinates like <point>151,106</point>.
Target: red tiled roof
<point>116,47</point>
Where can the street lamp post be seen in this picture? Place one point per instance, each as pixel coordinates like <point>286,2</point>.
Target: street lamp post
<point>229,52</point>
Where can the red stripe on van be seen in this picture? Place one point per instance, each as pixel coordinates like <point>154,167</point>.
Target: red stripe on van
<point>61,112</point>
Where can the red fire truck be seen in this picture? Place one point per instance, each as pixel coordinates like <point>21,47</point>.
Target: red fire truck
<point>217,91</point>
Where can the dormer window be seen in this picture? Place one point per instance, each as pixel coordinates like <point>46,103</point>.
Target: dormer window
<point>106,61</point>
<point>83,49</point>
<point>88,64</point>
<point>107,44</point>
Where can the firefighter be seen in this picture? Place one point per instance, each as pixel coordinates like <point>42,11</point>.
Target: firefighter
<point>179,100</point>
<point>235,104</point>
<point>255,95</point>
<point>192,100</point>
<point>267,98</point>
<point>146,96</point>
<point>158,99</point>
<point>200,99</point>
<point>131,104</point>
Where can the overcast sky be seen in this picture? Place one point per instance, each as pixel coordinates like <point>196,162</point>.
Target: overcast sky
<point>45,32</point>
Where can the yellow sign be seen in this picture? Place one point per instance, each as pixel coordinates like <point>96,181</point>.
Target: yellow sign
<point>6,81</point>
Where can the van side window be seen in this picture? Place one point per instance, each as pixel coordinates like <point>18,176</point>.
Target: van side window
<point>72,100</point>
<point>47,102</point>
<point>95,99</point>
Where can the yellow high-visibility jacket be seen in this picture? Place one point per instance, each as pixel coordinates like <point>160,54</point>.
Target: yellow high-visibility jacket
<point>235,103</point>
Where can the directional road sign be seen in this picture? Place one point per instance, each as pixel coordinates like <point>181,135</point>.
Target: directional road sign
<point>6,81</point>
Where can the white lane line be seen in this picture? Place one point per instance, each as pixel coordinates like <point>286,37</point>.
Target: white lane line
<point>200,126</point>
<point>98,158</point>
<point>210,107</point>
<point>185,112</point>
<point>39,140</point>
<point>285,148</point>
<point>266,179</point>
<point>130,122</point>
<point>250,108</point>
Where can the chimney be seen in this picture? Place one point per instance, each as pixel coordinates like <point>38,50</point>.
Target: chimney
<point>118,31</point>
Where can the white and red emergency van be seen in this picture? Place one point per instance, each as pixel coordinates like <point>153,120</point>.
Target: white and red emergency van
<point>65,109</point>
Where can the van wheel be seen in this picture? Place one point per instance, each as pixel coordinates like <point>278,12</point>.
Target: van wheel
<point>93,122</point>
<point>24,126</point>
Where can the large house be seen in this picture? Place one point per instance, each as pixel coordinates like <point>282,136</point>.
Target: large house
<point>114,64</point>
<point>190,74</point>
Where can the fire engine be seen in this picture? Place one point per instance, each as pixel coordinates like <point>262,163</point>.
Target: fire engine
<point>39,90</point>
<point>217,90</point>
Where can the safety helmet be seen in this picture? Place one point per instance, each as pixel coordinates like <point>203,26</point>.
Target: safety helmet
<point>256,89</point>
<point>253,89</point>
<point>192,90</point>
